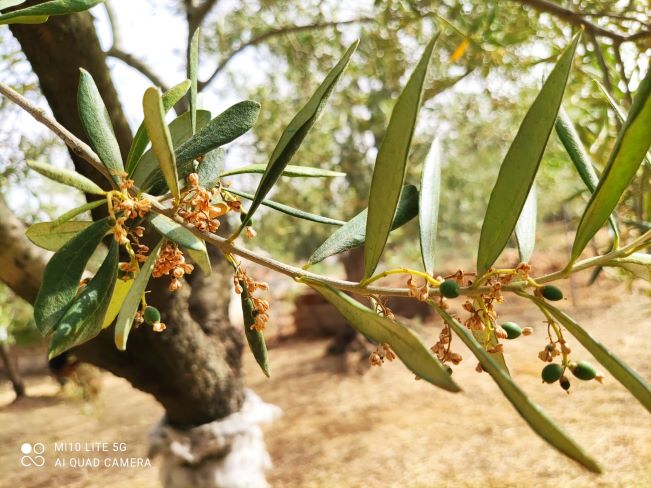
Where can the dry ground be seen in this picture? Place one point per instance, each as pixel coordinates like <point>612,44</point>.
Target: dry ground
<point>383,429</point>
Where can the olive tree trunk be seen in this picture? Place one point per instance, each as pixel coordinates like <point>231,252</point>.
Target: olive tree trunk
<point>194,368</point>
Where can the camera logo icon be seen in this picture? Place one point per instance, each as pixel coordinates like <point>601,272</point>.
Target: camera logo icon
<point>32,454</point>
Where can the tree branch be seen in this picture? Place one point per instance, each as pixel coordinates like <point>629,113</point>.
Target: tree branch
<point>76,145</point>
<point>579,20</point>
<point>115,51</point>
<point>138,65</point>
<point>270,34</point>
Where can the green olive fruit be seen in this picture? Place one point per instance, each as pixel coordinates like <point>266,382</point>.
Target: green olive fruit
<point>449,289</point>
<point>584,371</point>
<point>151,315</point>
<point>552,293</point>
<point>565,383</point>
<point>512,330</point>
<point>552,372</point>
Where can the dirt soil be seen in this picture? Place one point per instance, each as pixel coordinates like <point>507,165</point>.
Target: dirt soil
<point>384,429</point>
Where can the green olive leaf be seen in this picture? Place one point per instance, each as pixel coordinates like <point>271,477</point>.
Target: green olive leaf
<point>66,177</point>
<point>170,98</point>
<point>295,132</point>
<point>286,209</point>
<point>582,162</point>
<point>118,297</point>
<point>254,338</point>
<point>428,215</point>
<point>132,301</point>
<point>161,139</point>
<point>353,233</point>
<point>290,170</point>
<point>96,122</point>
<point>525,227</point>
<point>211,167</point>
<point>639,264</point>
<point>226,127</point>
<point>391,163</point>
<point>632,381</point>
<point>84,317</point>
<point>527,408</point>
<point>405,343</point>
<point>630,149</point>
<point>39,14</point>
<point>71,214</point>
<point>183,237</point>
<point>62,274</point>
<point>521,163</point>
<point>51,236</point>
<point>146,173</point>
<point>193,61</point>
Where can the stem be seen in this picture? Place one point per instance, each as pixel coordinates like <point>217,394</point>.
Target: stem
<point>76,145</point>
<point>384,274</point>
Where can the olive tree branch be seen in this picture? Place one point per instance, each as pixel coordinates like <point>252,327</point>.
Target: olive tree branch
<point>76,145</point>
<point>278,32</point>
<point>116,51</point>
<point>579,20</point>
<point>228,247</point>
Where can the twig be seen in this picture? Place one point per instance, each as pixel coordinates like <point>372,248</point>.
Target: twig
<point>579,20</point>
<point>138,65</point>
<point>602,62</point>
<point>115,51</point>
<point>76,145</point>
<point>277,33</point>
<point>622,73</point>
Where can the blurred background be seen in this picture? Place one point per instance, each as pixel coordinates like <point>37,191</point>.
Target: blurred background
<point>345,424</point>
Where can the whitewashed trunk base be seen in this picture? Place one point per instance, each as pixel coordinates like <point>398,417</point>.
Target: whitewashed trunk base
<point>227,453</point>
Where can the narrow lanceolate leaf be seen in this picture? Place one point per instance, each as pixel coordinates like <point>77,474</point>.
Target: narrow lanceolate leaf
<point>638,264</point>
<point>83,319</point>
<point>631,146</point>
<point>132,302</point>
<point>615,366</point>
<point>290,170</point>
<point>211,167</point>
<point>161,140</point>
<point>405,343</point>
<point>580,158</point>
<point>38,14</point>
<point>71,214</point>
<point>146,171</point>
<point>521,163</point>
<point>391,164</point>
<point>295,132</point>
<point>97,125</point>
<point>66,177</point>
<point>51,236</point>
<point>62,275</point>
<point>141,139</point>
<point>184,238</point>
<point>428,215</point>
<point>353,233</point>
<point>525,227</point>
<point>226,127</point>
<point>193,61</point>
<point>254,338</point>
<point>118,297</point>
<point>286,209</point>
<point>527,408</point>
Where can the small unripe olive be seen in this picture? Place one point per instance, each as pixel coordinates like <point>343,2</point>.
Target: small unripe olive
<point>512,330</point>
<point>449,289</point>
<point>151,315</point>
<point>552,293</point>
<point>565,383</point>
<point>552,372</point>
<point>584,371</point>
